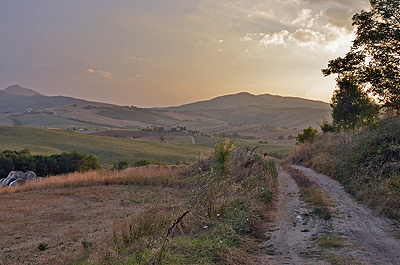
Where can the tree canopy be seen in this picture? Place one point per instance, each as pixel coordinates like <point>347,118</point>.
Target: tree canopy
<point>42,165</point>
<point>351,107</point>
<point>374,58</point>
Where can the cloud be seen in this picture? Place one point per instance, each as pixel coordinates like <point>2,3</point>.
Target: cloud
<point>277,38</point>
<point>135,78</point>
<point>304,18</point>
<point>104,74</point>
<point>339,17</point>
<point>140,59</point>
<point>307,37</point>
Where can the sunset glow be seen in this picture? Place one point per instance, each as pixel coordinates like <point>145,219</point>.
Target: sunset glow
<point>163,53</point>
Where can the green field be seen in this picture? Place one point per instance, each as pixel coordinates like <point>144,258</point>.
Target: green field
<point>107,149</point>
<point>112,149</point>
<point>262,148</point>
<point>44,120</point>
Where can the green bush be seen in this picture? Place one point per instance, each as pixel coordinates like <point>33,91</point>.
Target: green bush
<point>46,165</point>
<point>141,162</point>
<point>308,135</point>
<point>121,165</point>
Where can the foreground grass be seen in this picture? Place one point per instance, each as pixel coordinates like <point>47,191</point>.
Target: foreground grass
<point>107,149</point>
<point>215,219</point>
<point>365,162</point>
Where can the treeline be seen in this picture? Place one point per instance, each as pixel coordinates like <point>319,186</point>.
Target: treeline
<point>44,165</point>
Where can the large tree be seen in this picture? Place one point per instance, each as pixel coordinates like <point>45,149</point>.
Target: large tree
<point>374,58</point>
<point>351,107</point>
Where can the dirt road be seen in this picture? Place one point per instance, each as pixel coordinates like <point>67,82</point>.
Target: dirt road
<point>366,238</point>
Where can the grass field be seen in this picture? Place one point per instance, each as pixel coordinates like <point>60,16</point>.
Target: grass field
<point>214,211</point>
<point>112,149</point>
<point>50,121</point>
<point>282,149</point>
<point>107,149</point>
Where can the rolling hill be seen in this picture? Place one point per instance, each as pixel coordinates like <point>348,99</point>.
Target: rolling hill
<point>107,149</point>
<point>247,99</point>
<point>242,113</point>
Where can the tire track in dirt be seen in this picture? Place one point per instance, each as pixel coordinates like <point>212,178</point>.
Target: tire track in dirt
<point>289,240</point>
<point>372,238</point>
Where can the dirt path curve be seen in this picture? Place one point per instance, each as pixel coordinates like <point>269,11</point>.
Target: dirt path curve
<point>373,238</point>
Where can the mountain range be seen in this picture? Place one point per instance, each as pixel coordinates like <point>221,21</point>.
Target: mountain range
<point>235,112</point>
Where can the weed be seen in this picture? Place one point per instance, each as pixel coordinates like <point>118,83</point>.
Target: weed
<point>331,241</point>
<point>323,213</point>
<point>86,244</point>
<point>314,196</point>
<point>42,246</point>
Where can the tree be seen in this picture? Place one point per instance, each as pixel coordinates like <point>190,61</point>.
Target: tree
<point>120,165</point>
<point>308,135</point>
<point>374,58</point>
<point>351,107</point>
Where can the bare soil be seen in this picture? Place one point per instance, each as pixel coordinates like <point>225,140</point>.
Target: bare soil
<point>65,221</point>
<point>367,238</point>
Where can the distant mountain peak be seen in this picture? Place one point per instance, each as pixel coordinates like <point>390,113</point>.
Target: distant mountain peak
<point>20,91</point>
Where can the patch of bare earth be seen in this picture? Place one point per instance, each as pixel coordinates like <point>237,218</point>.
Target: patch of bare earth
<point>66,221</point>
<point>354,235</point>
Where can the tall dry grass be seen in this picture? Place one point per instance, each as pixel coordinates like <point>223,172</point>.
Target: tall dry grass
<point>153,176</point>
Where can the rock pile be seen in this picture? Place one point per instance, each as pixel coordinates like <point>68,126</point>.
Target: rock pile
<point>18,178</point>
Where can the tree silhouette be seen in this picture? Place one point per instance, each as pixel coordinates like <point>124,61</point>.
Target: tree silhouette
<point>374,58</point>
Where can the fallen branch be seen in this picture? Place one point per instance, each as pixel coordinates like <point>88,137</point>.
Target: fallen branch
<point>177,221</point>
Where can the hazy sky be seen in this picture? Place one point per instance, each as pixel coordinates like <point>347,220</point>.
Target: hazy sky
<point>170,52</point>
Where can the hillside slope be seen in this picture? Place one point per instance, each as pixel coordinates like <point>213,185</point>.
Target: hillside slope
<point>247,99</point>
<point>22,106</point>
<point>107,149</point>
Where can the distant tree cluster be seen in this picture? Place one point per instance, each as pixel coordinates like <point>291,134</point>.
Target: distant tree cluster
<point>160,129</point>
<point>42,165</point>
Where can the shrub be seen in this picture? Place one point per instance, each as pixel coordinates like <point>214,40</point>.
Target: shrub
<point>42,246</point>
<point>141,162</point>
<point>121,165</point>
<point>308,135</point>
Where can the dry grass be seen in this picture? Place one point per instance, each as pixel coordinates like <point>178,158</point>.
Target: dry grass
<point>154,176</point>
<point>127,217</point>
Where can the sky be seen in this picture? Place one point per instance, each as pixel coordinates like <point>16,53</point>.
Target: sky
<point>156,53</point>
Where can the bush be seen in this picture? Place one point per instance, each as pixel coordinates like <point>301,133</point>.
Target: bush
<point>141,162</point>
<point>308,135</point>
<point>121,165</point>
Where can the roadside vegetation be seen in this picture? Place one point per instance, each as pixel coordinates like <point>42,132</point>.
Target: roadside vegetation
<point>217,217</point>
<point>366,162</point>
<point>361,147</point>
